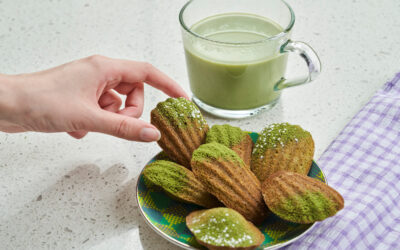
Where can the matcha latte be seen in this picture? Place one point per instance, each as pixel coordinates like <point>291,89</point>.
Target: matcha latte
<point>236,54</point>
<point>235,79</point>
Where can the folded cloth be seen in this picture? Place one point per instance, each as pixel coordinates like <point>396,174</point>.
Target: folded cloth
<point>363,164</point>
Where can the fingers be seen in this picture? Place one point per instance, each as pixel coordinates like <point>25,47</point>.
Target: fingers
<point>133,72</point>
<point>78,134</point>
<point>123,127</point>
<point>110,101</point>
<point>134,99</point>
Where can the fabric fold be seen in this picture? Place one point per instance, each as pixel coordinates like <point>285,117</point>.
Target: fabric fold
<point>363,164</point>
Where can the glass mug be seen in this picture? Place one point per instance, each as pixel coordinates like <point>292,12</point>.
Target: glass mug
<point>236,54</point>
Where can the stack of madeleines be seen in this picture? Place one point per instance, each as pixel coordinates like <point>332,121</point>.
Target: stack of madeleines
<point>219,168</point>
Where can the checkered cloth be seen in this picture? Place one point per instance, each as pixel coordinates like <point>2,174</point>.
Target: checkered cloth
<point>363,164</point>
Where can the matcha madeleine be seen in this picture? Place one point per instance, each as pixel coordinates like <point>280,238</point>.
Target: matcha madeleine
<point>182,128</point>
<point>282,147</point>
<point>301,199</point>
<point>223,228</point>
<point>234,138</point>
<point>226,176</point>
<point>179,182</point>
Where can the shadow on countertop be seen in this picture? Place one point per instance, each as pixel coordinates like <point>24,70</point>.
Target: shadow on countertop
<point>150,240</point>
<point>80,210</point>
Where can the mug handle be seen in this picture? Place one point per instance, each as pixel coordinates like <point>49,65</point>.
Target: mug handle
<point>311,58</point>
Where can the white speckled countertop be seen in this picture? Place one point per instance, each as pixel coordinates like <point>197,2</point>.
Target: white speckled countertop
<point>57,192</point>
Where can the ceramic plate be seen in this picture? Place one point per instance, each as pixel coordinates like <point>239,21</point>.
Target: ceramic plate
<point>167,216</point>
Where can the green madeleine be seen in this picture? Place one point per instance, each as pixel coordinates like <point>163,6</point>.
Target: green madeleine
<point>222,227</point>
<point>225,134</point>
<point>309,206</point>
<point>213,151</point>
<point>278,134</point>
<point>178,110</point>
<point>166,174</point>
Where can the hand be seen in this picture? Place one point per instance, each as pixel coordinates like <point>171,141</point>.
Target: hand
<point>80,96</point>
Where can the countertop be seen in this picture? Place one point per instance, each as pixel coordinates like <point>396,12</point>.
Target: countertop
<point>57,192</point>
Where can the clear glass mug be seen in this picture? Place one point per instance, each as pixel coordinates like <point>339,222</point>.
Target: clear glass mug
<point>236,54</point>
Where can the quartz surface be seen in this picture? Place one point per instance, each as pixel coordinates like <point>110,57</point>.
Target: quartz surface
<point>57,192</point>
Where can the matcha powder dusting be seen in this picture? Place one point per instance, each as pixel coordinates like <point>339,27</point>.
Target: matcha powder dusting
<point>225,134</point>
<point>178,110</point>
<point>222,227</point>
<point>215,151</point>
<point>166,174</point>
<point>277,135</point>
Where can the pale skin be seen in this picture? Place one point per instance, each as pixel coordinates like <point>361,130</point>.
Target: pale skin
<point>81,97</point>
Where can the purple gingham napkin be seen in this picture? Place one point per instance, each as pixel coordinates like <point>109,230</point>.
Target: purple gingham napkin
<point>363,164</point>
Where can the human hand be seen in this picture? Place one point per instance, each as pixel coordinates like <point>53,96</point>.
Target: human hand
<point>80,96</point>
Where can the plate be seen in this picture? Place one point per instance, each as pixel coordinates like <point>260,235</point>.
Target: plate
<point>167,216</point>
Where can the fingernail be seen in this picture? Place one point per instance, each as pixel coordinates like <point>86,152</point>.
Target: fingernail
<point>149,134</point>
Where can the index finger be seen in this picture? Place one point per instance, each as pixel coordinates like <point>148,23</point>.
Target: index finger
<point>133,72</point>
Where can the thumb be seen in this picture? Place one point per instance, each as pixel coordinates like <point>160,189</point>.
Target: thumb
<point>124,127</point>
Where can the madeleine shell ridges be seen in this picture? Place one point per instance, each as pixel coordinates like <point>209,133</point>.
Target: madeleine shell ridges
<point>225,134</point>
<point>282,147</point>
<point>299,198</point>
<point>278,134</point>
<point>211,227</point>
<point>234,138</point>
<point>226,177</point>
<point>179,182</point>
<point>182,128</point>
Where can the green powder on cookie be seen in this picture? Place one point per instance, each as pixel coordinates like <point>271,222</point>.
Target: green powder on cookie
<point>215,151</point>
<point>222,227</point>
<point>178,110</point>
<point>311,205</point>
<point>225,134</point>
<point>169,175</point>
<point>277,135</point>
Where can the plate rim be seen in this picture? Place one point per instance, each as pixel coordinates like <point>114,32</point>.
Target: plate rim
<point>147,220</point>
<point>186,246</point>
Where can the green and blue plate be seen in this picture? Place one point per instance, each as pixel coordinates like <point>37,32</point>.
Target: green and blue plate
<point>167,216</point>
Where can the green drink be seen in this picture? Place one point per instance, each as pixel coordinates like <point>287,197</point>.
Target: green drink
<point>237,79</point>
<point>236,54</point>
